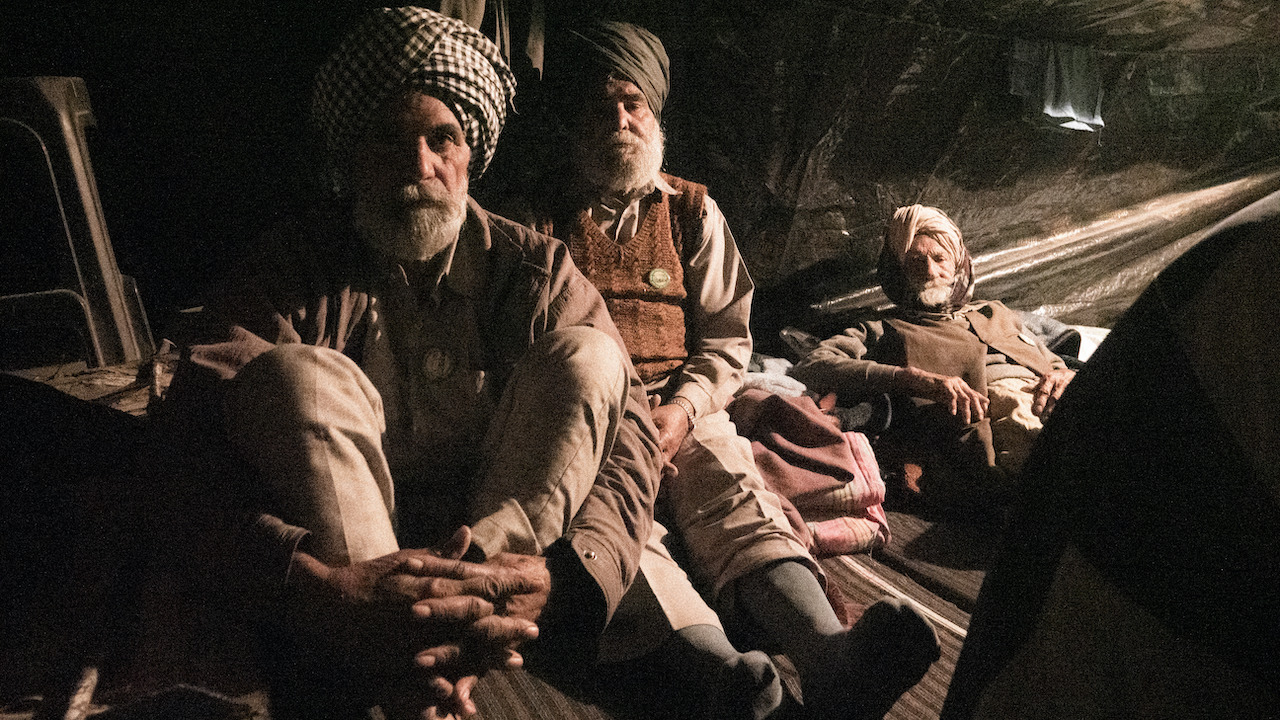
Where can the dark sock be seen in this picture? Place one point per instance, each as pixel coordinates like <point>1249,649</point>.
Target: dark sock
<point>844,674</point>
<point>786,601</point>
<point>723,682</point>
<point>884,655</point>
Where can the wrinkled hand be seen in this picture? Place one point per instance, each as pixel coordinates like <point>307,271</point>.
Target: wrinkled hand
<point>523,585</point>
<point>527,604</point>
<point>1048,389</point>
<point>950,391</point>
<point>413,622</point>
<point>672,424</point>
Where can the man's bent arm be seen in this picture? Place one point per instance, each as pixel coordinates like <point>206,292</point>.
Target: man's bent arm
<point>839,364</point>
<point>718,317</point>
<point>614,521</point>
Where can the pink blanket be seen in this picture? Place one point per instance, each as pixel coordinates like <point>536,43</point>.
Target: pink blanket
<point>828,479</point>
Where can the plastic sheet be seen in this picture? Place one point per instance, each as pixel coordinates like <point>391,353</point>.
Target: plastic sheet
<point>811,122</point>
<point>1090,275</point>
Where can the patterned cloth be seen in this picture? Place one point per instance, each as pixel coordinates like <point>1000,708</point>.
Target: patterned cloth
<point>908,222</point>
<point>411,48</point>
<point>828,479</point>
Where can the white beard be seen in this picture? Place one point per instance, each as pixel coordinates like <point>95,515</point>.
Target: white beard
<point>414,226</point>
<point>935,294</point>
<point>621,163</point>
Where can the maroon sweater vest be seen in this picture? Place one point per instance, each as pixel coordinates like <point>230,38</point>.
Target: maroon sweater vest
<point>642,280</point>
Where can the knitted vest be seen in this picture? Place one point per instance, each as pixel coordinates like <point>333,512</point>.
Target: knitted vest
<point>642,280</point>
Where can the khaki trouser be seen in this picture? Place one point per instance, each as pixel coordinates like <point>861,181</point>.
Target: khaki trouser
<point>311,422</point>
<point>730,525</point>
<point>1014,428</point>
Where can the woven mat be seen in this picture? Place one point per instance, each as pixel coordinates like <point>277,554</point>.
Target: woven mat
<point>949,558</point>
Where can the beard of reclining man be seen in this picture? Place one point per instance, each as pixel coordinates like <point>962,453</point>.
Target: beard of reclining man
<point>935,294</point>
<point>930,269</point>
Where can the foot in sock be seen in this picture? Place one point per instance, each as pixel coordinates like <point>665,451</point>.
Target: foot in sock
<point>752,688</point>
<point>723,683</point>
<point>883,656</point>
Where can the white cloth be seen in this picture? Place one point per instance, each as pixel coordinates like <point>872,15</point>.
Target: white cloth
<point>1059,81</point>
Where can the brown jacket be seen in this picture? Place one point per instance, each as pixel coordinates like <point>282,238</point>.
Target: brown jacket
<point>983,342</point>
<point>313,286</point>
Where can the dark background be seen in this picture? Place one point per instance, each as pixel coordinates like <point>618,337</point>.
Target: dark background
<point>809,121</point>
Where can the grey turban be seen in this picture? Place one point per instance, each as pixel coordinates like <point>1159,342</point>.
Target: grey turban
<point>409,48</point>
<point>629,50</point>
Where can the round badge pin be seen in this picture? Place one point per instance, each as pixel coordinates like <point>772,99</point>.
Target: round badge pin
<point>436,364</point>
<point>659,278</point>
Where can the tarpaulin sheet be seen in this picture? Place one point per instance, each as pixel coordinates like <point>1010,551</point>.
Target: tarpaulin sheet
<point>1091,274</point>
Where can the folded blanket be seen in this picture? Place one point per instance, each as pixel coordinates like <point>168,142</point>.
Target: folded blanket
<point>829,478</point>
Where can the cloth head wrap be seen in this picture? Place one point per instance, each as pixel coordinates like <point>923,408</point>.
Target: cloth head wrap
<point>397,49</point>
<point>629,50</point>
<point>908,222</point>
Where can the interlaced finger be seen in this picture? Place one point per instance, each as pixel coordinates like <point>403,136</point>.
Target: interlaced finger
<point>454,609</point>
<point>484,581</point>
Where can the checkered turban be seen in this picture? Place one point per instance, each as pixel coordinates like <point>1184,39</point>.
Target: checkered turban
<point>912,220</point>
<point>409,48</point>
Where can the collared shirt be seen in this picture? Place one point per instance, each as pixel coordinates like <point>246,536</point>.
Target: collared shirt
<point>619,221</point>
<point>425,356</point>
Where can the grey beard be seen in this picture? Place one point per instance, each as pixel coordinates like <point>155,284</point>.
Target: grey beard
<point>411,230</point>
<point>617,169</point>
<point>933,297</point>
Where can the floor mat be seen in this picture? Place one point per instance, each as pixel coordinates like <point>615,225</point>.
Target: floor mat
<point>949,558</point>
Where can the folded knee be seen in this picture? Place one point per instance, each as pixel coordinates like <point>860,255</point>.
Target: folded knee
<point>294,378</point>
<point>580,358</point>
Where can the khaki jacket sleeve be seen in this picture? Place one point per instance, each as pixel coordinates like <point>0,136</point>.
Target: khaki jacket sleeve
<point>717,317</point>
<point>212,503</point>
<point>614,522</point>
<point>839,363</point>
<point>210,516</point>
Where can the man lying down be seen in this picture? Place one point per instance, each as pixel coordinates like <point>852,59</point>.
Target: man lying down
<point>976,384</point>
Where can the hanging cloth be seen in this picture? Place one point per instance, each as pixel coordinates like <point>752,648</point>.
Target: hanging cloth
<point>1060,82</point>
<point>470,12</point>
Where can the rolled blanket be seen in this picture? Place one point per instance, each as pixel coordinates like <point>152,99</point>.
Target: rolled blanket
<point>830,477</point>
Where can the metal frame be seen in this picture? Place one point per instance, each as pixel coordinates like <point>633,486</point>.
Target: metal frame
<point>56,111</point>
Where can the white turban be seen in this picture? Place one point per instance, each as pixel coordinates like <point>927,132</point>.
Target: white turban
<point>912,220</point>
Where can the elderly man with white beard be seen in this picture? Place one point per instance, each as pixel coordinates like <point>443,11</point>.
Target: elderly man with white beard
<point>975,384</point>
<point>396,330</point>
<point>660,251</point>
